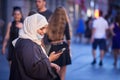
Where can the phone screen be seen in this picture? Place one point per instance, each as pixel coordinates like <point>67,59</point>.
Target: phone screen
<point>62,50</point>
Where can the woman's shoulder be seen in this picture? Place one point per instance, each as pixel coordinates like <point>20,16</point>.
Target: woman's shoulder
<point>25,42</point>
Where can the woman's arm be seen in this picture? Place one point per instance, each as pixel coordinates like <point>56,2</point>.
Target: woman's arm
<point>92,37</point>
<point>6,38</point>
<point>67,34</point>
<point>111,29</point>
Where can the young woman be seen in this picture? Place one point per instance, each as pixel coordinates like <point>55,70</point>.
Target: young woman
<point>31,60</point>
<point>58,28</point>
<point>115,30</point>
<point>12,32</point>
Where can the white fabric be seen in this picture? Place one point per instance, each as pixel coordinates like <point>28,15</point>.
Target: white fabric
<point>30,26</point>
<point>100,25</point>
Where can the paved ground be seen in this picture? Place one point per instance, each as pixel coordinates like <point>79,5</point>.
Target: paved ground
<point>81,69</point>
<point>4,67</point>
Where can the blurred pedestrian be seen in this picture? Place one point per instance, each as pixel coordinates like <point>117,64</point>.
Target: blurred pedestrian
<point>115,30</point>
<point>100,25</point>
<point>41,8</point>
<point>31,60</point>
<point>58,28</point>
<point>109,35</point>
<point>80,29</point>
<point>12,32</point>
<point>88,30</point>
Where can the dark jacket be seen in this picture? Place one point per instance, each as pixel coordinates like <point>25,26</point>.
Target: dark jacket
<point>30,62</point>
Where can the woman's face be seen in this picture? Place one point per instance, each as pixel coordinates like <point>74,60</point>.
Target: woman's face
<point>17,15</point>
<point>42,31</point>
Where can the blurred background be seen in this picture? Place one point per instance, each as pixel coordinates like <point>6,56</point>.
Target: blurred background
<point>81,52</point>
<point>75,8</point>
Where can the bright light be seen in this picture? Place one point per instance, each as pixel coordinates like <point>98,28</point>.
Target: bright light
<point>92,3</point>
<point>89,12</point>
<point>96,13</point>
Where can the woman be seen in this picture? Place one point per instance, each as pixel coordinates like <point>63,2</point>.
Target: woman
<point>12,32</point>
<point>80,29</point>
<point>31,60</point>
<point>115,30</point>
<point>58,28</point>
<point>52,56</point>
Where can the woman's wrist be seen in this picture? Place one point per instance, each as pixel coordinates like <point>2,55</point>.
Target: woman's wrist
<point>49,59</point>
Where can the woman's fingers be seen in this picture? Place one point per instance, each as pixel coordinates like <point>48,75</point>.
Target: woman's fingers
<point>57,68</point>
<point>54,56</point>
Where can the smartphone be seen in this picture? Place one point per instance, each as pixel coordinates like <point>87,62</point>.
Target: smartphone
<point>62,50</point>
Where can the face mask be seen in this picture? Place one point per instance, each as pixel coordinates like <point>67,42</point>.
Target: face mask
<point>40,36</point>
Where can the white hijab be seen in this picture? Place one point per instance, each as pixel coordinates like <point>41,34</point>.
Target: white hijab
<point>30,26</point>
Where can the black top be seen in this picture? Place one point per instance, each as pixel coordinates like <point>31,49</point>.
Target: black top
<point>46,14</point>
<point>67,32</point>
<point>30,62</point>
<point>14,32</point>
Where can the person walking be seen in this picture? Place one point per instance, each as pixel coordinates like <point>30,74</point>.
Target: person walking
<point>12,32</point>
<point>115,31</point>
<point>100,25</point>
<point>41,8</point>
<point>58,28</point>
<point>31,60</point>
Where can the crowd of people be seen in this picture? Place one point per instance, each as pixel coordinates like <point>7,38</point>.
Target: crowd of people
<point>103,33</point>
<point>39,45</point>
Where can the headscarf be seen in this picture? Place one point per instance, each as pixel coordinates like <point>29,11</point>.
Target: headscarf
<point>30,26</point>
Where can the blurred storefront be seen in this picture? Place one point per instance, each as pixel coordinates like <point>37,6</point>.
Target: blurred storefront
<point>26,5</point>
<point>6,7</point>
<point>75,8</point>
<point>86,8</point>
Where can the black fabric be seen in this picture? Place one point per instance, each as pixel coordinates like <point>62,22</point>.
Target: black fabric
<point>88,33</point>
<point>13,35</point>
<point>99,42</point>
<point>57,76</point>
<point>64,58</point>
<point>30,62</point>
<point>46,13</point>
<point>67,32</point>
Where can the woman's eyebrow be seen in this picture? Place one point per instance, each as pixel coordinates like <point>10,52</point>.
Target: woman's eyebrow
<point>42,28</point>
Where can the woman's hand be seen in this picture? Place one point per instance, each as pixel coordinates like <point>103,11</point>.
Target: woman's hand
<point>19,25</point>
<point>56,67</point>
<point>54,56</point>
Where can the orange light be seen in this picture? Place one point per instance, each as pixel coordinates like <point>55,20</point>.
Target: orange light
<point>96,13</point>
